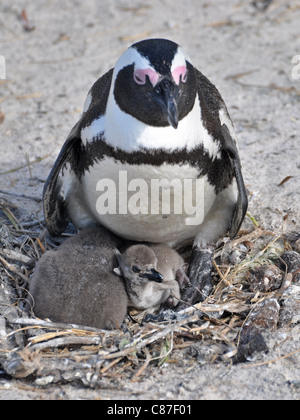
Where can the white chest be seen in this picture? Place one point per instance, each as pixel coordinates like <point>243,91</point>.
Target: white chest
<point>148,203</point>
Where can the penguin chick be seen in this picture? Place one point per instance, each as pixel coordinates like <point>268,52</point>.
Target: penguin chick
<point>170,264</point>
<point>76,283</point>
<point>150,277</point>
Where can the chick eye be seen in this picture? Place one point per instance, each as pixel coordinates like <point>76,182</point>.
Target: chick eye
<point>136,269</point>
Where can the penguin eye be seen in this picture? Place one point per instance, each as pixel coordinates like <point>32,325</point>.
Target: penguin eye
<point>136,269</point>
<point>184,77</point>
<point>142,76</point>
<point>139,80</point>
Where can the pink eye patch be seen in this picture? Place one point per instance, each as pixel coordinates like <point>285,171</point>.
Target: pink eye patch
<point>140,75</point>
<point>179,72</point>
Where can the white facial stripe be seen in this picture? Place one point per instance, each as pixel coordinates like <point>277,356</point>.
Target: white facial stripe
<point>142,67</point>
<point>178,67</point>
<point>131,56</point>
<point>179,59</point>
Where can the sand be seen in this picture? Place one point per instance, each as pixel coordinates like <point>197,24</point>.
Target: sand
<point>52,61</point>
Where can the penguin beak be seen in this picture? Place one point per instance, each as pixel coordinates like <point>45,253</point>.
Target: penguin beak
<point>172,112</point>
<point>168,96</point>
<point>153,276</point>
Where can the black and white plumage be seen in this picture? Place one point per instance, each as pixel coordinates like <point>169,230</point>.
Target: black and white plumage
<point>154,116</point>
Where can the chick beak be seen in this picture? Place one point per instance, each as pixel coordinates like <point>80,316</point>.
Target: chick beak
<point>153,276</point>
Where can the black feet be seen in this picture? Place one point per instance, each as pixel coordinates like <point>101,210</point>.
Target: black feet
<point>200,277</point>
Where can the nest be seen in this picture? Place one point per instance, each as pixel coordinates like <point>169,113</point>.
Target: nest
<point>254,277</point>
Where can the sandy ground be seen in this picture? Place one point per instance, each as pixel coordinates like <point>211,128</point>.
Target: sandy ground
<point>246,51</point>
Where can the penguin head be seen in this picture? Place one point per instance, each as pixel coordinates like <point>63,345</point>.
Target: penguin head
<point>155,83</point>
<point>138,265</point>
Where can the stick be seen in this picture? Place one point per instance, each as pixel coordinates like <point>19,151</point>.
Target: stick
<point>139,343</point>
<point>28,197</point>
<point>66,341</point>
<point>144,366</point>
<point>15,256</point>
<point>60,325</point>
<point>25,166</point>
<point>13,269</point>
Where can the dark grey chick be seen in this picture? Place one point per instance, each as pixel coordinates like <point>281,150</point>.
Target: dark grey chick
<point>76,283</point>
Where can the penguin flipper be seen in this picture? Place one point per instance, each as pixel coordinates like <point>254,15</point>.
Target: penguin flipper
<point>212,103</point>
<point>55,211</point>
<point>242,202</point>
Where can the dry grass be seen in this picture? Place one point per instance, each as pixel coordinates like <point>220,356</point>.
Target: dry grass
<point>53,352</point>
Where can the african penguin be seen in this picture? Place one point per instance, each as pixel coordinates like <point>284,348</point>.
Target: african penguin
<point>152,127</point>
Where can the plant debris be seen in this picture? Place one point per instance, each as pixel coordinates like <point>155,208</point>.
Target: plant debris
<point>286,179</point>
<point>256,278</point>
<point>262,5</point>
<point>2,117</point>
<point>27,25</point>
<point>265,279</point>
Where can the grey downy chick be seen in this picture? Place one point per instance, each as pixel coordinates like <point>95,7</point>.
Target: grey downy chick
<point>150,275</point>
<point>76,283</point>
<point>171,265</point>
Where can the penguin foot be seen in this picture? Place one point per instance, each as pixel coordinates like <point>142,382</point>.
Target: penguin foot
<point>200,269</point>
